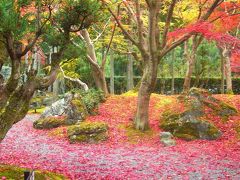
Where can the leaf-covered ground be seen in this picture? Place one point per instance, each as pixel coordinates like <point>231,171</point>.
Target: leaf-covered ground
<point>127,154</point>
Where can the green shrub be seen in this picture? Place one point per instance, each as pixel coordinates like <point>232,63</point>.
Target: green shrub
<point>92,98</point>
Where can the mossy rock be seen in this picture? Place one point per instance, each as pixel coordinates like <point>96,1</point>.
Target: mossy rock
<point>189,127</point>
<point>16,173</point>
<point>90,132</point>
<point>79,110</point>
<point>198,92</point>
<point>49,122</point>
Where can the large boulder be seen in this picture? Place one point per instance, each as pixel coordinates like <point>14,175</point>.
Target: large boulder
<point>71,107</point>
<point>189,127</point>
<point>192,123</point>
<point>90,132</point>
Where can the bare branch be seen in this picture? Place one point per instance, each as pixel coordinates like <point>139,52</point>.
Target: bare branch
<point>175,44</point>
<point>168,21</point>
<point>84,85</point>
<point>211,9</point>
<point>130,10</point>
<point>109,45</point>
<point>93,62</point>
<point>104,29</point>
<point>126,34</point>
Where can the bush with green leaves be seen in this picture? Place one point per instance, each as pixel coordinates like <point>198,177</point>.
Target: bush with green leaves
<point>92,98</point>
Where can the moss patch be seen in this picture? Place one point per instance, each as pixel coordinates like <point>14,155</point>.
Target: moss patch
<point>79,107</point>
<point>90,132</point>
<point>16,173</point>
<point>49,122</point>
<point>188,127</point>
<point>131,93</point>
<point>59,132</point>
<point>134,135</point>
<point>164,102</point>
<point>237,128</point>
<point>38,110</point>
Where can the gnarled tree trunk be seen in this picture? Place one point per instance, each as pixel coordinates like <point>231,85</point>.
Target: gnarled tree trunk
<point>98,71</point>
<point>17,105</point>
<point>147,86</point>
<point>15,110</point>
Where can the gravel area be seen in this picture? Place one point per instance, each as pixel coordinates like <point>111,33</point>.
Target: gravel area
<point>27,147</point>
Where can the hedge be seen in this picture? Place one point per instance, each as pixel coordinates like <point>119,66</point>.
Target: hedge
<point>212,84</point>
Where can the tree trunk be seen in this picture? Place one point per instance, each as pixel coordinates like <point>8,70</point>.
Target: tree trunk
<point>100,80</point>
<point>97,71</point>
<point>147,86</point>
<point>222,73</point>
<point>16,109</point>
<point>111,73</point>
<point>11,84</point>
<point>228,71</point>
<point>191,58</point>
<point>130,84</point>
<point>172,72</point>
<point>188,76</point>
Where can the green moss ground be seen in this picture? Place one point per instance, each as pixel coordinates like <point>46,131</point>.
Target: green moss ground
<point>16,173</point>
<point>38,110</point>
<point>134,135</point>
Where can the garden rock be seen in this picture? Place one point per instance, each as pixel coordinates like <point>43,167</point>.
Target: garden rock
<point>90,132</point>
<point>204,98</point>
<point>189,127</point>
<point>166,139</point>
<point>71,106</point>
<point>47,101</point>
<point>49,122</point>
<point>192,123</point>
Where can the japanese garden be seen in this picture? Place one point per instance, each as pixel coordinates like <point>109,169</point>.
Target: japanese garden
<point>119,89</point>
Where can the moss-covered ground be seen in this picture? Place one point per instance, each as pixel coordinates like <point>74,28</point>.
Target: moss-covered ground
<point>17,173</point>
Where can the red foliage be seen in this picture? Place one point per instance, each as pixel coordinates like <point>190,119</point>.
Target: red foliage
<point>119,159</point>
<point>207,30</point>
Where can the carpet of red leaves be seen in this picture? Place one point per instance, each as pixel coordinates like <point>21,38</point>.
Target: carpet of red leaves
<point>119,158</point>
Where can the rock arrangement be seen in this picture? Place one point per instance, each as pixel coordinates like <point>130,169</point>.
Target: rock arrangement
<point>71,111</point>
<point>71,107</point>
<point>191,124</point>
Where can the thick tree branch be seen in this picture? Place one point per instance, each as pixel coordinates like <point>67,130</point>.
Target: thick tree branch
<point>211,9</point>
<point>167,23</point>
<point>84,85</point>
<point>49,80</point>
<point>174,44</point>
